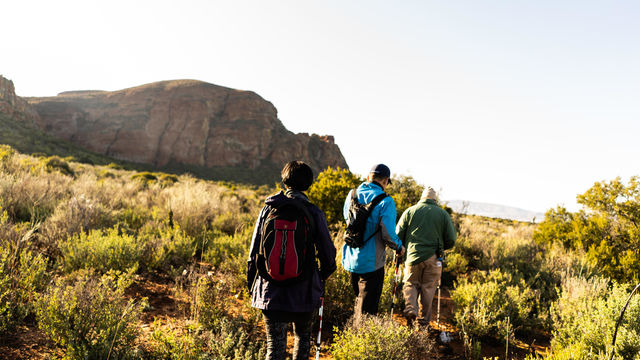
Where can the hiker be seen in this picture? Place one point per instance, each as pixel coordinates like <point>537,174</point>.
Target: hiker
<point>289,300</point>
<point>426,230</point>
<point>366,263</point>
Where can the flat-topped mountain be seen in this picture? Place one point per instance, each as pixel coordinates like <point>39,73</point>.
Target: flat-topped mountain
<point>181,123</point>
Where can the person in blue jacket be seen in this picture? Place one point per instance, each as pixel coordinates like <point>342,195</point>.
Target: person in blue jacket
<point>291,303</point>
<point>366,264</point>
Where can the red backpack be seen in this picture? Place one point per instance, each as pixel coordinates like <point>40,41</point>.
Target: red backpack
<point>286,253</point>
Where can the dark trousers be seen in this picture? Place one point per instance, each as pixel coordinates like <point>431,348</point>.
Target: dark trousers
<point>277,323</point>
<point>368,288</point>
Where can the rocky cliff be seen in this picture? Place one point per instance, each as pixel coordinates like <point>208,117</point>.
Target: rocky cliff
<point>181,122</point>
<point>13,105</point>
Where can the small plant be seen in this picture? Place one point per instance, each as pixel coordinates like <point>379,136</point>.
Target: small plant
<point>145,178</point>
<point>231,341</point>
<point>487,301</point>
<point>22,276</point>
<point>90,317</point>
<point>174,342</point>
<point>102,251</point>
<point>225,248</point>
<point>379,338</point>
<point>54,163</point>
<point>586,313</point>
<point>339,297</point>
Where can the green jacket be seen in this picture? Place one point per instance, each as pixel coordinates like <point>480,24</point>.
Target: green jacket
<point>423,228</point>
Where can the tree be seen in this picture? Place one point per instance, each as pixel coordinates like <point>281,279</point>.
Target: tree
<point>607,228</point>
<point>405,191</point>
<point>330,190</point>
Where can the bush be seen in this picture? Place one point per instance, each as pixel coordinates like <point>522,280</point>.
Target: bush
<point>387,288</point>
<point>405,191</point>
<point>491,304</point>
<point>380,338</point>
<point>22,276</point>
<point>32,197</point>
<point>329,192</point>
<point>338,297</point>
<point>90,317</point>
<point>102,251</point>
<point>172,342</point>
<point>145,178</point>
<point>75,215</point>
<point>166,247</point>
<point>54,163</point>
<point>586,313</point>
<point>226,248</point>
<point>606,229</point>
<point>232,341</point>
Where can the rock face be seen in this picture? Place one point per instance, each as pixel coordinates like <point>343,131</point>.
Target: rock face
<point>13,105</point>
<point>184,122</point>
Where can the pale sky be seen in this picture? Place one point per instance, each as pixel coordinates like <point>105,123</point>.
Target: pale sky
<point>520,103</point>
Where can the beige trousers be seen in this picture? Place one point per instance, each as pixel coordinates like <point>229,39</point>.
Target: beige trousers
<point>421,280</point>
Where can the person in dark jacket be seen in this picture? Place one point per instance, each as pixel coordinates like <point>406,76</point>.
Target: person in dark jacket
<point>296,302</point>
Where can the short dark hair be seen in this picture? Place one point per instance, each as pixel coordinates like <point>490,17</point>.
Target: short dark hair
<point>297,175</point>
<point>377,177</point>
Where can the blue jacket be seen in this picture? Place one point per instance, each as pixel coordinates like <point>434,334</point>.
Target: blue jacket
<point>303,296</point>
<point>372,255</point>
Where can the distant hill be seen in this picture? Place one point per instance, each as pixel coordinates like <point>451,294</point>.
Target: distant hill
<point>495,211</point>
<point>174,126</point>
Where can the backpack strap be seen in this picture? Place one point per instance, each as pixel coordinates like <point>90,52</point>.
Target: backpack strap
<point>302,206</point>
<point>372,205</point>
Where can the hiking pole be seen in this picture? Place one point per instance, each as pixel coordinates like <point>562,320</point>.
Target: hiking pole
<point>396,277</point>
<point>438,316</point>
<point>318,343</point>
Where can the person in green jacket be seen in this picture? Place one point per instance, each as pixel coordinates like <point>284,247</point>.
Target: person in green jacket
<point>426,230</point>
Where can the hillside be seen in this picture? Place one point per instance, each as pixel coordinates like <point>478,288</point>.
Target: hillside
<point>176,126</point>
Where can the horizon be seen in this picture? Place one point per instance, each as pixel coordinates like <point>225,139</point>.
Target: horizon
<point>518,104</point>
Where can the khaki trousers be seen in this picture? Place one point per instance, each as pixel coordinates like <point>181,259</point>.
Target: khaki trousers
<point>421,280</point>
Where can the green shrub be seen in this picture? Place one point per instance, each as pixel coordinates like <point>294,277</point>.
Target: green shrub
<point>167,179</point>
<point>32,197</point>
<point>379,338</point>
<point>338,297</point>
<point>114,166</point>
<point>387,288</point>
<point>491,304</point>
<point>330,190</point>
<point>225,248</point>
<point>405,191</point>
<point>6,152</point>
<point>54,163</point>
<point>586,313</point>
<point>211,306</point>
<point>166,247</point>
<point>231,222</point>
<point>606,229</point>
<point>90,317</point>
<point>232,341</point>
<point>231,334</point>
<point>22,276</point>
<point>102,251</point>
<point>146,178</point>
<point>74,215</point>
<point>172,342</point>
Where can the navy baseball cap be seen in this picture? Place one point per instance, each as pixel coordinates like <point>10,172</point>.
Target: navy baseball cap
<point>382,170</point>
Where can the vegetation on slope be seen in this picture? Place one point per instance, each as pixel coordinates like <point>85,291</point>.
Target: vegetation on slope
<point>112,263</point>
